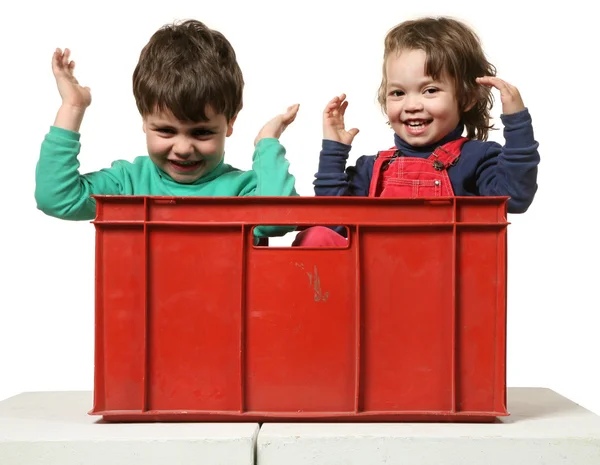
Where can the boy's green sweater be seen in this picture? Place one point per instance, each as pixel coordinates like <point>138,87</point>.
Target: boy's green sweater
<point>61,191</point>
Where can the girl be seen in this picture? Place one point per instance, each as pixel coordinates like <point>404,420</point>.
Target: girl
<point>436,85</point>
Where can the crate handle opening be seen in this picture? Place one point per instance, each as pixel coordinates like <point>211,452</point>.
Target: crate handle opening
<point>307,236</point>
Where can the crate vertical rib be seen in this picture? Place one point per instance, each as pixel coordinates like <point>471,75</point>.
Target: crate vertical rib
<point>243,284</point>
<point>146,310</point>
<point>99,345</point>
<point>357,320</point>
<point>500,328</point>
<point>454,283</point>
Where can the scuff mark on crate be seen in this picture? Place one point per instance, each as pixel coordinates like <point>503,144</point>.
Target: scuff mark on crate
<point>315,282</point>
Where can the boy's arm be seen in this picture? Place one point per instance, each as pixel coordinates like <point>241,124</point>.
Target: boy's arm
<point>60,191</point>
<point>271,168</point>
<point>512,170</point>
<point>75,97</point>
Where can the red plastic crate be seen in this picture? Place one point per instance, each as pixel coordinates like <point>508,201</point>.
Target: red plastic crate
<point>196,323</point>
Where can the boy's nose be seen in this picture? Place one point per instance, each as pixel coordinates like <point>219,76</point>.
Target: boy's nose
<point>183,148</point>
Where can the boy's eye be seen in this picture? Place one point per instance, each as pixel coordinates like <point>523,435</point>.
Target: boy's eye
<point>165,130</point>
<point>201,133</point>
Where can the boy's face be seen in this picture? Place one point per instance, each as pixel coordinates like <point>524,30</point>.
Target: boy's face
<point>420,110</point>
<point>186,151</point>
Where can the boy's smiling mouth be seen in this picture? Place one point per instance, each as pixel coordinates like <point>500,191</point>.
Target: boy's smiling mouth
<point>186,166</point>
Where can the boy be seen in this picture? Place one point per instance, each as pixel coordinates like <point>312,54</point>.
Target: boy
<point>188,89</point>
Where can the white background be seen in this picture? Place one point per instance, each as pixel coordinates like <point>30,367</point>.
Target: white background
<point>291,52</point>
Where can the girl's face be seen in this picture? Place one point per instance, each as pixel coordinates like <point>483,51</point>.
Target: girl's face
<point>421,110</point>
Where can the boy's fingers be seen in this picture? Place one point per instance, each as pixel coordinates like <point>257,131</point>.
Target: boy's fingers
<point>291,113</point>
<point>288,118</point>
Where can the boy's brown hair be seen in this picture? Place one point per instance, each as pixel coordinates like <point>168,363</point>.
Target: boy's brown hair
<point>186,67</point>
<point>453,48</point>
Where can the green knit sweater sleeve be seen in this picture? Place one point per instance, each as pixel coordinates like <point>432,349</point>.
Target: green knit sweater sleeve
<point>272,179</point>
<point>60,190</point>
<point>271,171</point>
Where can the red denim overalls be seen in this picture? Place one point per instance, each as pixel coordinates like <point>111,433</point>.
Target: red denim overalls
<point>395,175</point>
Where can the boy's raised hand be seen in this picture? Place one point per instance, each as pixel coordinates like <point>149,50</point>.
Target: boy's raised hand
<point>73,94</point>
<point>333,121</point>
<point>275,127</point>
<point>509,94</point>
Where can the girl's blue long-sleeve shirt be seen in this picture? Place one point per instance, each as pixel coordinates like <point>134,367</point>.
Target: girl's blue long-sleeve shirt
<point>483,168</point>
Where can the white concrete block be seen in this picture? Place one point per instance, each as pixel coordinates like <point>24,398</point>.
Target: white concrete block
<point>53,428</point>
<point>544,429</point>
